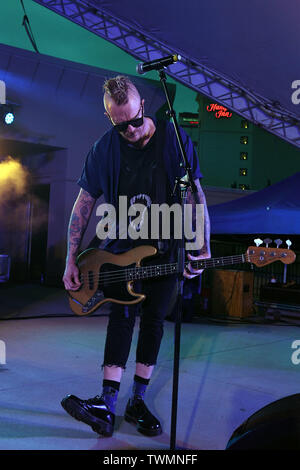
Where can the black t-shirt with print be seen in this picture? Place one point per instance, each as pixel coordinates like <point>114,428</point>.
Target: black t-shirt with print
<point>137,170</point>
<point>138,182</point>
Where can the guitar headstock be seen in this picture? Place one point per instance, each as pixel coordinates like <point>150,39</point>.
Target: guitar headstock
<point>263,255</point>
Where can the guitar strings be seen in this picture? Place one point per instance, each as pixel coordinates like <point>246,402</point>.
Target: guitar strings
<point>164,269</point>
<point>156,270</point>
<point>150,270</point>
<point>125,275</point>
<point>160,266</point>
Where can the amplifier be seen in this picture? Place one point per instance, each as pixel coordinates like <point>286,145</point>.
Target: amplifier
<point>285,293</point>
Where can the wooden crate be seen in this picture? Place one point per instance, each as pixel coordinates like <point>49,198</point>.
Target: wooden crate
<point>232,293</point>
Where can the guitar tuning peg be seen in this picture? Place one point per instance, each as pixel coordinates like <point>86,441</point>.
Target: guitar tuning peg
<point>267,241</point>
<point>288,242</point>
<point>278,242</point>
<point>258,241</point>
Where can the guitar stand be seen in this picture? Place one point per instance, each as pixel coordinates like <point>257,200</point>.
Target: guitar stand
<point>182,184</point>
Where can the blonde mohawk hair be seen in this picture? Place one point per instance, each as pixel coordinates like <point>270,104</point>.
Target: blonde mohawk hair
<point>118,88</point>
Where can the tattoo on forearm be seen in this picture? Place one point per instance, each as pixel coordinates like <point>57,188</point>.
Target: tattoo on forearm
<point>78,222</point>
<point>199,198</point>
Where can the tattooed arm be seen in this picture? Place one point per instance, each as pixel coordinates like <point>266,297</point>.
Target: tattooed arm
<point>79,219</point>
<point>204,251</point>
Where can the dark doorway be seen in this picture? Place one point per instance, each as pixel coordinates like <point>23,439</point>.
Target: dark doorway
<point>38,232</point>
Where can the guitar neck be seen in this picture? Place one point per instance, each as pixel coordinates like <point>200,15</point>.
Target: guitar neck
<point>146,272</point>
<point>215,262</point>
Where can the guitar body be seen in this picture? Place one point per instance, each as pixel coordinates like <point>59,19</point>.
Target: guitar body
<point>95,267</point>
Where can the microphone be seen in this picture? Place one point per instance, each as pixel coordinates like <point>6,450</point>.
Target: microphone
<point>157,64</point>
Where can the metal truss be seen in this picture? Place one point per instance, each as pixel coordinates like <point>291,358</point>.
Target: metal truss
<point>189,71</point>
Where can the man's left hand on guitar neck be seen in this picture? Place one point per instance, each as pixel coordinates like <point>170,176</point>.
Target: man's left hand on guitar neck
<point>205,252</point>
<point>191,272</point>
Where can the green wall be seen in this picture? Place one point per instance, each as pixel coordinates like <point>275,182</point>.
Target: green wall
<point>273,158</point>
<point>270,159</point>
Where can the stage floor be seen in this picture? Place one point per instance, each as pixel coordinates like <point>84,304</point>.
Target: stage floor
<point>227,372</point>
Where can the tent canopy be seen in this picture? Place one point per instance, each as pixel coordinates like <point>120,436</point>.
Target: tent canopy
<point>275,210</point>
<point>243,54</point>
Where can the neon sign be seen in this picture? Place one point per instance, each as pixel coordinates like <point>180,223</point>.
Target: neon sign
<point>220,111</point>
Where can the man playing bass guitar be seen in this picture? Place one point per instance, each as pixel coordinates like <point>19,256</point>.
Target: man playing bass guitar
<point>138,158</point>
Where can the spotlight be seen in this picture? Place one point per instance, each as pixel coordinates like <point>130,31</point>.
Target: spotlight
<point>7,114</point>
<point>9,118</point>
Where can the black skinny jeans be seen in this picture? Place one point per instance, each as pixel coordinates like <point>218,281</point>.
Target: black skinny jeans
<point>160,300</point>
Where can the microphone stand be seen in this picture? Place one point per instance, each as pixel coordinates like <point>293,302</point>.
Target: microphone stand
<point>182,184</point>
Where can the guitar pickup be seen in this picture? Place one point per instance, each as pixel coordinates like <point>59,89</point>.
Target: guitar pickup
<point>91,280</point>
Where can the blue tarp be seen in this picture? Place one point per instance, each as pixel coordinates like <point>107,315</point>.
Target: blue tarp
<point>275,209</point>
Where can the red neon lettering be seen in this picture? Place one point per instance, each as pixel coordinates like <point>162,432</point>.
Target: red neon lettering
<point>220,111</point>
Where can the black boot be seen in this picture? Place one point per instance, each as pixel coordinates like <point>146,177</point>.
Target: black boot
<point>136,412</point>
<point>93,412</point>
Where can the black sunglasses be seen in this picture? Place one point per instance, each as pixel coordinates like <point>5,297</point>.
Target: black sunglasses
<point>136,122</point>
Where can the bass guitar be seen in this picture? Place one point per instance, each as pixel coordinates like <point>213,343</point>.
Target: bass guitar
<point>107,277</point>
